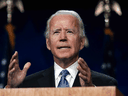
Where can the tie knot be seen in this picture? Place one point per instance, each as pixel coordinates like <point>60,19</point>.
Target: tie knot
<point>64,73</point>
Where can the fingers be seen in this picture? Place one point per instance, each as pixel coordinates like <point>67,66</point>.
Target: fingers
<point>26,67</point>
<point>15,56</point>
<point>83,67</point>
<point>84,78</point>
<point>14,61</point>
<point>85,73</point>
<point>13,64</point>
<point>10,72</point>
<point>82,82</point>
<point>82,63</point>
<point>82,71</point>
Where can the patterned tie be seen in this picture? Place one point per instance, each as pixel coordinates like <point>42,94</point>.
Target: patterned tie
<point>63,82</point>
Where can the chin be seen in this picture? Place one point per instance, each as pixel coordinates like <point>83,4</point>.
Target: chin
<point>65,56</point>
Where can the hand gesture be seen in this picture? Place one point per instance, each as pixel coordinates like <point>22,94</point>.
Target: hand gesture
<point>15,74</point>
<point>85,73</point>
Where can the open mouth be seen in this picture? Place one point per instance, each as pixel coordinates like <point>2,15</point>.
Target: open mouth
<point>63,47</point>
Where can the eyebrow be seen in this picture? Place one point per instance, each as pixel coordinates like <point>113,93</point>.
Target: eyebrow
<point>70,29</point>
<point>59,29</point>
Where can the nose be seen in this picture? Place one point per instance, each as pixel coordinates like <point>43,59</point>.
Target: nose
<point>63,36</point>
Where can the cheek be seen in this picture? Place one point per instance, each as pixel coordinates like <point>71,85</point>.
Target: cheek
<point>53,42</point>
<point>75,44</point>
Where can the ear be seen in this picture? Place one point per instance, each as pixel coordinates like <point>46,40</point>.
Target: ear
<point>48,44</point>
<point>82,42</point>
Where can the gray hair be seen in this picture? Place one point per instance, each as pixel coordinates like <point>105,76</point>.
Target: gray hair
<point>73,13</point>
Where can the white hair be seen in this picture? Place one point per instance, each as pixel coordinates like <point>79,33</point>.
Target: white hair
<point>68,12</point>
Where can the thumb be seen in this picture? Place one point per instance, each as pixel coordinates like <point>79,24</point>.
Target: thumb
<point>82,82</point>
<point>26,67</point>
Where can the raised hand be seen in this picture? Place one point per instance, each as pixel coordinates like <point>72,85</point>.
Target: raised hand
<point>15,74</point>
<point>85,73</point>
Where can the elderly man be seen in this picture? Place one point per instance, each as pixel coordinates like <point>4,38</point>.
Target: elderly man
<point>65,37</point>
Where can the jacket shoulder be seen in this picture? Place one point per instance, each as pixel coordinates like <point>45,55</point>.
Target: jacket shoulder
<point>100,79</point>
<point>34,76</point>
<point>32,80</point>
<point>39,74</point>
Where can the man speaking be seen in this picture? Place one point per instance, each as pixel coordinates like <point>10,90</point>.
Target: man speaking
<point>65,37</point>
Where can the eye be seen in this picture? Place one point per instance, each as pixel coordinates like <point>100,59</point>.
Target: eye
<point>56,32</point>
<point>69,32</point>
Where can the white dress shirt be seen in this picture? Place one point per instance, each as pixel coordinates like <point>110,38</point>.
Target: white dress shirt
<point>70,78</point>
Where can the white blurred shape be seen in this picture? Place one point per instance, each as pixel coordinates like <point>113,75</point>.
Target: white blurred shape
<point>19,5</point>
<point>116,8</point>
<point>2,3</point>
<point>99,8</point>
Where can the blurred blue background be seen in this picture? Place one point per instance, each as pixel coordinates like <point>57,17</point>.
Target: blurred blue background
<point>31,46</point>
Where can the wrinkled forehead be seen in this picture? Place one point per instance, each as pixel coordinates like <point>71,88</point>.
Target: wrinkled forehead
<point>64,20</point>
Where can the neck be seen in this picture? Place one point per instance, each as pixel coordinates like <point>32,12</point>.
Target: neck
<point>65,62</point>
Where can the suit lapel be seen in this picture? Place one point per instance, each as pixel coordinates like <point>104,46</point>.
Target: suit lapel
<point>77,81</point>
<point>47,78</point>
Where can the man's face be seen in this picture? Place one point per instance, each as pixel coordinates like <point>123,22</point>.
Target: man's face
<point>64,40</point>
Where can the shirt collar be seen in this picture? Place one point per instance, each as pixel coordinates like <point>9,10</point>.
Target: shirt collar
<point>72,69</point>
<point>57,70</point>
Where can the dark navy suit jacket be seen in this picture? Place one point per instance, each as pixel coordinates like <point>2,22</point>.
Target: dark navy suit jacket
<point>45,78</point>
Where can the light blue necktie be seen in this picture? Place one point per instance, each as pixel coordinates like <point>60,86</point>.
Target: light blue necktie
<point>63,82</point>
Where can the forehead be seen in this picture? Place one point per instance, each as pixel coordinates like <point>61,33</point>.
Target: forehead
<point>64,20</point>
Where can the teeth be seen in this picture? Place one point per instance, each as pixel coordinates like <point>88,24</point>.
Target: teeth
<point>63,47</point>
